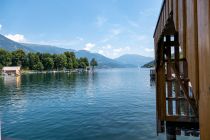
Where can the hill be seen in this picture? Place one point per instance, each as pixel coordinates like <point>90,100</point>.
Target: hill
<point>129,60</point>
<point>46,48</point>
<point>149,64</point>
<point>10,45</point>
<point>103,62</point>
<point>133,59</point>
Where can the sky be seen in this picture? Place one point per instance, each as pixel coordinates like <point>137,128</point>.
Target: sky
<point>109,27</point>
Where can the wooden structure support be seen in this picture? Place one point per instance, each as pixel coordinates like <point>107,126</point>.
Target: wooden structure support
<point>182,54</point>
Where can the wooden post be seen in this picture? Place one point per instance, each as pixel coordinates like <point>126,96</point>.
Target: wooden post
<point>177,86</point>
<point>160,88</point>
<point>170,131</point>
<point>185,76</point>
<point>169,75</point>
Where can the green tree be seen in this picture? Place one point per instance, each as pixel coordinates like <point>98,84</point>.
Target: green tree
<point>39,66</point>
<point>18,57</point>
<point>93,63</point>
<point>71,60</point>
<point>5,58</point>
<point>83,62</point>
<point>33,61</point>
<point>60,61</point>
<point>48,63</point>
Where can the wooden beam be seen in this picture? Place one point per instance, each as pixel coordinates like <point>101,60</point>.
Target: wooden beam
<point>169,75</point>
<point>160,88</point>
<point>176,60</point>
<point>184,88</point>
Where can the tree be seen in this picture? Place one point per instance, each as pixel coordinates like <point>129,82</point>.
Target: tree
<point>18,57</point>
<point>83,62</point>
<point>93,63</point>
<point>71,60</point>
<point>39,66</point>
<point>5,58</point>
<point>48,63</point>
<point>60,61</point>
<point>33,60</point>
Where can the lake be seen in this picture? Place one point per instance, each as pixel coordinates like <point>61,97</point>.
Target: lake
<point>111,104</point>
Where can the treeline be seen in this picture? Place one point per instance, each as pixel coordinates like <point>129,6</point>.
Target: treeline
<point>44,61</point>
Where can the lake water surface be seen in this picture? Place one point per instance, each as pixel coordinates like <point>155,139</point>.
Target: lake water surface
<point>112,104</point>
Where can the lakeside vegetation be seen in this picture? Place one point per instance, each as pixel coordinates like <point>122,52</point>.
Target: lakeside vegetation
<point>44,61</point>
<point>150,64</point>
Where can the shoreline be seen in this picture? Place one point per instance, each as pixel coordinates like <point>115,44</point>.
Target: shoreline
<point>53,71</point>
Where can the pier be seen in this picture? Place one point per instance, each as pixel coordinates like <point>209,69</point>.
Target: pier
<point>182,53</point>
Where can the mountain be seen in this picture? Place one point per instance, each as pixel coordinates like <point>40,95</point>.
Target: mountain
<point>133,59</point>
<point>46,48</point>
<point>103,62</point>
<point>10,45</point>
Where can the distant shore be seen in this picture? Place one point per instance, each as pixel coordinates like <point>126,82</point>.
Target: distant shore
<point>54,71</point>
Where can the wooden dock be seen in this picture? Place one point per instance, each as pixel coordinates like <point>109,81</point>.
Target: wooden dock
<point>183,100</point>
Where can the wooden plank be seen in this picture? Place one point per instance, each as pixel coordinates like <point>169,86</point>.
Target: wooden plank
<point>186,84</point>
<point>182,25</point>
<point>185,89</point>
<point>160,88</point>
<point>175,14</point>
<point>170,6</point>
<point>177,87</point>
<point>171,43</point>
<point>167,9</point>
<point>178,118</point>
<point>192,46</point>
<point>203,7</point>
<point>169,76</point>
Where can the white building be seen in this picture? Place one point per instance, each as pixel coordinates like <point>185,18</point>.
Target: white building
<point>16,71</point>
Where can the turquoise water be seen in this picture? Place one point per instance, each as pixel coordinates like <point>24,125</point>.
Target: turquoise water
<point>113,104</point>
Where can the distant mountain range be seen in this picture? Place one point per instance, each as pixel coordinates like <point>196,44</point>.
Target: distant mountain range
<point>129,60</point>
<point>133,59</point>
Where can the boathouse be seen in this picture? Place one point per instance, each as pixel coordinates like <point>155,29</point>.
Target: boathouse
<point>16,71</point>
<point>182,36</point>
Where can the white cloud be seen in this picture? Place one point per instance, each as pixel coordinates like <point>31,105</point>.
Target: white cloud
<point>100,21</point>
<point>16,37</point>
<point>89,46</point>
<point>121,50</point>
<point>149,50</point>
<point>101,52</point>
<point>113,52</point>
<point>107,46</point>
<point>71,43</point>
<point>0,27</point>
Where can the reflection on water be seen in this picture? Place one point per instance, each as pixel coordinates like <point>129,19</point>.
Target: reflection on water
<point>12,81</point>
<point>107,105</point>
<point>152,82</point>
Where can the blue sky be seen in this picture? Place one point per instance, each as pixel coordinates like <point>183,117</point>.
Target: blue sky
<point>108,27</point>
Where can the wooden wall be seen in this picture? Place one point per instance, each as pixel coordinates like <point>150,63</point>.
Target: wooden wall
<point>192,22</point>
<point>204,67</point>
